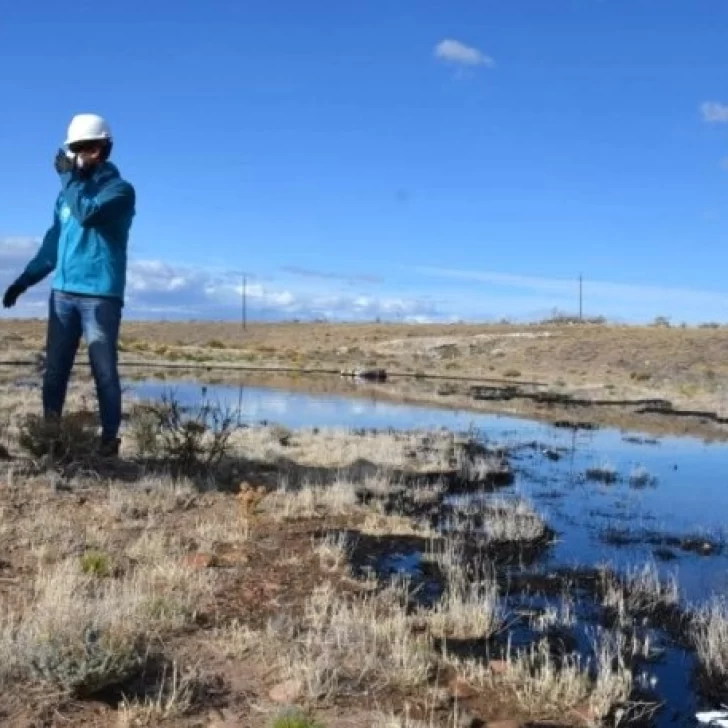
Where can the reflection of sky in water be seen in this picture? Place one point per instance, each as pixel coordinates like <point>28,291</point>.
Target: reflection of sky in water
<point>690,496</point>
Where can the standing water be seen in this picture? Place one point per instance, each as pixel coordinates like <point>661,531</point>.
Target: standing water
<point>612,497</point>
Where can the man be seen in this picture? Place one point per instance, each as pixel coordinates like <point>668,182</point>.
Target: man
<point>87,247</point>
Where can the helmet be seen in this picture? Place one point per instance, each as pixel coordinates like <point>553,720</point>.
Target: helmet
<point>87,127</point>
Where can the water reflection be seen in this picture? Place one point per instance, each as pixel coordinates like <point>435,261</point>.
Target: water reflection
<point>689,495</point>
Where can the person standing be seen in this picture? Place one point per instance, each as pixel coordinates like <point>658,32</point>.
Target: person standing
<point>86,246</point>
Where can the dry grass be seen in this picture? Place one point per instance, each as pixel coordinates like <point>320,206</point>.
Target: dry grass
<point>228,529</point>
<point>336,448</point>
<point>379,524</point>
<point>173,698</point>
<point>150,497</point>
<point>639,592</point>
<point>312,501</point>
<point>468,609</point>
<point>580,689</point>
<point>355,644</point>
<point>502,519</point>
<point>333,550</point>
<point>710,637</point>
<point>79,633</point>
<point>238,640</point>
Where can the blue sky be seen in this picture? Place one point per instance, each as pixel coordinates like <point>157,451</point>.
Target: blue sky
<point>411,159</point>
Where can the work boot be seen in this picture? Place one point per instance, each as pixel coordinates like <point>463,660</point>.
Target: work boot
<point>109,448</point>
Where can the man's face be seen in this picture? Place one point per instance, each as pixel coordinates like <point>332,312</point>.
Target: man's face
<point>89,153</point>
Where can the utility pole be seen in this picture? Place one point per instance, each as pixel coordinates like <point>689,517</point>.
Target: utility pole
<point>243,312</point>
<point>581,297</point>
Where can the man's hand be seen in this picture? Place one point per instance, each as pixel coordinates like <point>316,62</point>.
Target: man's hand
<point>14,291</point>
<point>63,163</point>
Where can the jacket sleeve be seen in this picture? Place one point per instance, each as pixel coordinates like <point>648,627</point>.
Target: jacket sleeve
<point>112,201</point>
<point>46,258</point>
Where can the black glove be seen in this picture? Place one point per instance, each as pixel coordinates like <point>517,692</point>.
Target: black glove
<point>63,163</point>
<point>14,291</point>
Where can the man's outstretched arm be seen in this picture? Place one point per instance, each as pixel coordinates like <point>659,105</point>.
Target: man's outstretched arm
<point>42,263</point>
<point>45,259</point>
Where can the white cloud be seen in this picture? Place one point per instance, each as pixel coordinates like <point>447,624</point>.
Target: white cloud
<point>163,289</point>
<point>453,51</point>
<point>714,112</point>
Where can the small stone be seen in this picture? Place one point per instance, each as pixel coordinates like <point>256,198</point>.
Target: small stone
<point>286,692</point>
<point>200,560</point>
<point>461,689</point>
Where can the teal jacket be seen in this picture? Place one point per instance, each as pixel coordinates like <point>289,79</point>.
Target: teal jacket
<point>87,243</point>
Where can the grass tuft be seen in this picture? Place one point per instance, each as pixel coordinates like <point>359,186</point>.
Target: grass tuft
<point>710,637</point>
<point>294,719</point>
<point>369,640</point>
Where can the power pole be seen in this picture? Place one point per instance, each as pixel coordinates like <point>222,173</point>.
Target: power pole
<point>243,312</point>
<point>581,297</point>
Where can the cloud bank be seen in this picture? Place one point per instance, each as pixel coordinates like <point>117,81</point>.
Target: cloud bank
<point>167,290</point>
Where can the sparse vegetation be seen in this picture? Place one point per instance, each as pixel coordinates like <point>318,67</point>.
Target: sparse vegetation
<point>79,634</point>
<point>469,608</point>
<point>710,636</point>
<point>355,643</point>
<point>114,577</point>
<point>639,592</point>
<point>187,439</point>
<point>586,690</point>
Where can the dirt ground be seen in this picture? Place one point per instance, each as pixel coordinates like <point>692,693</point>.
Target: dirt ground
<point>686,366</point>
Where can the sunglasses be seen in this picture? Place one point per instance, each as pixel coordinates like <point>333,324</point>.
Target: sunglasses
<point>79,147</point>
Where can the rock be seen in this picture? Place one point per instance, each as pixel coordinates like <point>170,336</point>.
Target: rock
<point>200,560</point>
<point>461,689</point>
<point>286,692</point>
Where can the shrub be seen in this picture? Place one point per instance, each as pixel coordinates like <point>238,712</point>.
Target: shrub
<point>60,443</point>
<point>189,439</point>
<point>96,563</point>
<point>294,719</point>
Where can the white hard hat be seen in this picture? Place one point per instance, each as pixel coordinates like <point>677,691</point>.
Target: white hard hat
<point>87,127</point>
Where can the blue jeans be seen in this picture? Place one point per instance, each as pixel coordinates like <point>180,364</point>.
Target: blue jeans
<point>98,319</point>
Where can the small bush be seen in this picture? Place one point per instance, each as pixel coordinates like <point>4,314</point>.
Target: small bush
<point>189,439</point>
<point>96,563</point>
<point>78,634</point>
<point>216,344</point>
<point>61,442</point>
<point>294,719</point>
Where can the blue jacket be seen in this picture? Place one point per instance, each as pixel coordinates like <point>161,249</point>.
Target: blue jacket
<point>87,243</point>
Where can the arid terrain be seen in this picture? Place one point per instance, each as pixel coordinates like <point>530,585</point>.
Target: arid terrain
<point>218,575</point>
<point>439,364</point>
<point>236,577</point>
